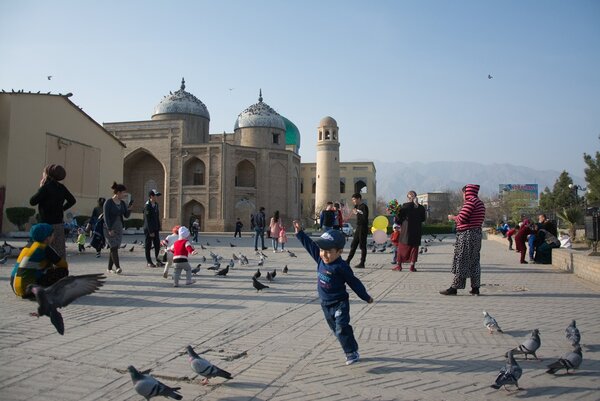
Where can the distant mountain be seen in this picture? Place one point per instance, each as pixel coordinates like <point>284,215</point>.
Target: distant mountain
<point>397,178</point>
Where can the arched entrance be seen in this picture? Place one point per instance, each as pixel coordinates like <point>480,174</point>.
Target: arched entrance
<point>193,210</point>
<point>143,172</point>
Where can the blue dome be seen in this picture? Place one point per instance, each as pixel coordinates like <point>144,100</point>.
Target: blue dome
<point>259,115</point>
<point>182,102</point>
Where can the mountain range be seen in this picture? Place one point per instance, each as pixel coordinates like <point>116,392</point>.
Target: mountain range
<point>394,179</point>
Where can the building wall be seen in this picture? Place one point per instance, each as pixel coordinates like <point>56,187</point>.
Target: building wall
<point>60,133</point>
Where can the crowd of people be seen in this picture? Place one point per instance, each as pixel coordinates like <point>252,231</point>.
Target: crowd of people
<point>532,239</point>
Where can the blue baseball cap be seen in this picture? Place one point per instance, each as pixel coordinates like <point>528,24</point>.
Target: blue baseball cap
<point>331,239</point>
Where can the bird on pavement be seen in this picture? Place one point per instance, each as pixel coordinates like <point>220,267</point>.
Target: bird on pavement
<point>148,387</point>
<point>132,248</point>
<point>218,242</point>
<point>572,334</point>
<point>231,263</point>
<point>285,269</point>
<point>216,266</point>
<point>205,368</point>
<point>529,346</point>
<point>231,245</point>
<point>258,285</point>
<point>235,257</point>
<point>257,274</point>
<point>292,254</point>
<point>261,262</point>
<point>269,277</point>
<point>244,259</point>
<point>490,323</point>
<point>223,272</point>
<point>570,360</point>
<point>509,373</point>
<point>61,294</point>
<point>202,247</point>
<point>196,269</point>
<point>124,245</point>
<point>274,273</point>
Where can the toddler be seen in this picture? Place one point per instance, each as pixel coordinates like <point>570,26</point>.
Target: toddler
<point>181,249</point>
<point>167,243</point>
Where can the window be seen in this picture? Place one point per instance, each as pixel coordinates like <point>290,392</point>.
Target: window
<point>245,174</point>
<point>326,135</point>
<point>276,139</point>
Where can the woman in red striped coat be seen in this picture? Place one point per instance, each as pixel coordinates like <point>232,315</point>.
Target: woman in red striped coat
<point>468,242</point>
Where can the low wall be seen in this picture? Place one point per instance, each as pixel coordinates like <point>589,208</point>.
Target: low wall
<point>576,262</point>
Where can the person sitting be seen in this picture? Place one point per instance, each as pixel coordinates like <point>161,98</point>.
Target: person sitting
<point>38,263</point>
<point>545,241</point>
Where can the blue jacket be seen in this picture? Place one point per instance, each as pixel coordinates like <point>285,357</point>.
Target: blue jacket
<point>333,277</point>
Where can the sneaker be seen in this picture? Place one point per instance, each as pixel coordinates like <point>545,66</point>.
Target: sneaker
<point>474,291</point>
<point>397,269</point>
<point>352,358</point>
<point>119,271</point>
<point>412,269</point>
<point>165,275</point>
<point>150,265</point>
<point>110,271</point>
<point>449,291</point>
<point>274,250</point>
<point>264,248</point>
<point>359,266</point>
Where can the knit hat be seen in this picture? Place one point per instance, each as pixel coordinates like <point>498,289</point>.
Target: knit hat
<point>55,171</point>
<point>40,232</point>
<point>184,233</point>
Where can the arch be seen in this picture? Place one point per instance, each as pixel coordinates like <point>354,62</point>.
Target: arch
<point>244,208</point>
<point>193,209</point>
<point>142,171</point>
<point>320,135</point>
<point>245,174</point>
<point>327,137</point>
<point>342,186</point>
<point>194,172</point>
<point>360,187</point>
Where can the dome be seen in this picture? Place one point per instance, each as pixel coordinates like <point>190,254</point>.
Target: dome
<point>292,133</point>
<point>259,115</point>
<point>181,102</point>
<point>327,122</point>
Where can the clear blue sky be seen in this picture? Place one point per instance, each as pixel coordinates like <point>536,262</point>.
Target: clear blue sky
<point>405,80</point>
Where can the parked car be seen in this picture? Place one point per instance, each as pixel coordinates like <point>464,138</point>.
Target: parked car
<point>347,229</point>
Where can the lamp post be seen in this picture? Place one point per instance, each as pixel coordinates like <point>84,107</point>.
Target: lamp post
<point>575,188</point>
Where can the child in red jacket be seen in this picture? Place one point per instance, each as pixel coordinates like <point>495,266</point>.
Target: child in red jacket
<point>181,249</point>
<point>395,239</point>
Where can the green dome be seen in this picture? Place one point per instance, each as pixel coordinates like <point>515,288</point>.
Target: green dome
<point>292,133</point>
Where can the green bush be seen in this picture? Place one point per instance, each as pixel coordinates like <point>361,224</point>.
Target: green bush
<point>82,220</point>
<point>19,216</point>
<point>134,223</point>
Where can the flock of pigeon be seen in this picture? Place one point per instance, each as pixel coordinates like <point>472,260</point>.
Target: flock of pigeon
<point>511,372</point>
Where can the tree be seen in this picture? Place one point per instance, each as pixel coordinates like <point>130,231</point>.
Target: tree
<point>571,217</point>
<point>592,177</point>
<point>561,196</point>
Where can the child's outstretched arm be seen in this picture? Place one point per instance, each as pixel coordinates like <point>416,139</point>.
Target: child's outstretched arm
<point>306,242</point>
<point>356,285</point>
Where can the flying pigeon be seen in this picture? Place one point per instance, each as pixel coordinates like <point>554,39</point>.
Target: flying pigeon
<point>6,244</point>
<point>50,77</point>
<point>269,277</point>
<point>216,266</point>
<point>285,269</point>
<point>572,334</point>
<point>490,77</point>
<point>530,345</point>
<point>205,368</point>
<point>570,360</point>
<point>258,285</point>
<point>509,373</point>
<point>490,323</point>
<point>148,387</point>
<point>257,274</point>
<point>61,294</point>
<point>222,272</point>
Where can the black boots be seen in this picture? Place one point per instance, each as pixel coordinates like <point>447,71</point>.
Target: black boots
<point>449,291</point>
<point>474,291</point>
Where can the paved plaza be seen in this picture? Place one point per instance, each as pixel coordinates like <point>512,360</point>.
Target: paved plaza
<point>415,344</point>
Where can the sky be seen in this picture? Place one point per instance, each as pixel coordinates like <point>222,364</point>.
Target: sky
<point>405,80</point>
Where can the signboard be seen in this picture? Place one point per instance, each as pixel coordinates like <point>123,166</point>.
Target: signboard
<point>523,191</point>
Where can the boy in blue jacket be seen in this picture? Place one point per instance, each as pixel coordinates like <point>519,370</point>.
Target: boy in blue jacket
<point>333,273</point>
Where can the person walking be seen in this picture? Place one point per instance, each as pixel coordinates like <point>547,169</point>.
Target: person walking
<point>361,211</point>
<point>327,217</point>
<point>274,228</point>
<point>333,273</point>
<point>152,228</point>
<point>259,228</point>
<point>115,209</point>
<point>181,249</point>
<point>466,262</point>
<point>521,239</point>
<point>52,199</point>
<point>410,217</point>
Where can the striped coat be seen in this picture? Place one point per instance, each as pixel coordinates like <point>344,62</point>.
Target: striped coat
<point>472,213</point>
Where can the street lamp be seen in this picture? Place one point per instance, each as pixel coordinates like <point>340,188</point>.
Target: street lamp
<point>575,188</point>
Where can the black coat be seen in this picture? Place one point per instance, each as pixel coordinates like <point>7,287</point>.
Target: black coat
<point>151,217</point>
<point>52,198</point>
<point>411,218</point>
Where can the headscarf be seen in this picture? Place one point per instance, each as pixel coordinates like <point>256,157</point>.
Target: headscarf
<point>55,171</point>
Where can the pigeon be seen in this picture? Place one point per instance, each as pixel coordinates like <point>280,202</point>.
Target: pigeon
<point>6,244</point>
<point>218,242</point>
<point>570,360</point>
<point>205,368</point>
<point>124,245</point>
<point>135,242</point>
<point>261,262</point>
<point>490,77</point>
<point>258,285</point>
<point>49,77</point>
<point>196,269</point>
<point>269,277</point>
<point>263,255</point>
<point>222,272</point>
<point>530,345</point>
<point>292,254</point>
<point>244,259</point>
<point>231,245</point>
<point>216,266</point>
<point>257,274</point>
<point>509,373</point>
<point>202,247</point>
<point>3,260</point>
<point>235,257</point>
<point>207,244</point>
<point>203,259</point>
<point>274,273</point>
<point>132,248</point>
<point>61,294</point>
<point>490,323</point>
<point>231,263</point>
<point>572,334</point>
<point>441,239</point>
<point>285,269</point>
<point>148,387</point>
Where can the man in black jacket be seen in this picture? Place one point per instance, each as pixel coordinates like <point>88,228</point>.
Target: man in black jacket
<point>361,211</point>
<point>152,228</point>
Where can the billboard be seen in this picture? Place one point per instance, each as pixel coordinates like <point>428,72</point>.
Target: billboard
<point>523,191</point>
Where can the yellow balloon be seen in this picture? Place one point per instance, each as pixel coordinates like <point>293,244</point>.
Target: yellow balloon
<point>373,229</point>
<point>380,222</point>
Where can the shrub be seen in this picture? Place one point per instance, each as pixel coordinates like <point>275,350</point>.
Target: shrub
<point>82,220</point>
<point>133,223</point>
<point>438,228</point>
<point>19,216</point>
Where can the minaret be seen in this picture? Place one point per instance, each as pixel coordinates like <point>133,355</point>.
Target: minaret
<point>328,164</point>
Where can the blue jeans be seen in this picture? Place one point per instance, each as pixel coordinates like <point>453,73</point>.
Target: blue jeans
<point>337,317</point>
<point>531,241</point>
<point>275,242</point>
<point>259,232</point>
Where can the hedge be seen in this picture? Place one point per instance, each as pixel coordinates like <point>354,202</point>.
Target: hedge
<point>134,223</point>
<point>19,216</point>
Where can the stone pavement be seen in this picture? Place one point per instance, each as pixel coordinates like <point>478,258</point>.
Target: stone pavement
<point>415,344</point>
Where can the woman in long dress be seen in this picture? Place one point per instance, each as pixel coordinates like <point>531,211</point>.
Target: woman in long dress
<point>115,209</point>
<point>410,218</point>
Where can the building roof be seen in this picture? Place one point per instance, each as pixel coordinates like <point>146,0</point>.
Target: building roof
<point>327,122</point>
<point>181,102</point>
<point>259,115</point>
<point>292,133</point>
